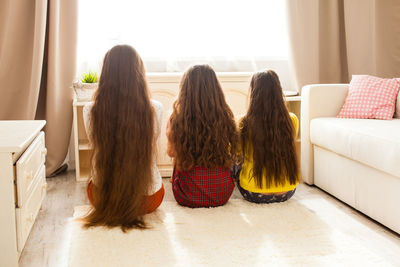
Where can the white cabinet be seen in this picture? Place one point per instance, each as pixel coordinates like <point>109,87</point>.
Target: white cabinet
<point>165,88</point>
<point>22,184</point>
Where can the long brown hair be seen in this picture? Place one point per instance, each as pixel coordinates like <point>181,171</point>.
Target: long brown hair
<point>121,133</point>
<point>268,129</point>
<point>203,128</point>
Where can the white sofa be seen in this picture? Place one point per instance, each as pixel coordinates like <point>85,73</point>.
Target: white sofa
<point>356,160</point>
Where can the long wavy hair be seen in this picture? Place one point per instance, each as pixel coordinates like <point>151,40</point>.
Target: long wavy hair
<point>267,130</point>
<point>203,129</point>
<point>122,137</point>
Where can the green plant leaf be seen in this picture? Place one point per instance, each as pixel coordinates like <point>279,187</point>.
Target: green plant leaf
<point>89,77</point>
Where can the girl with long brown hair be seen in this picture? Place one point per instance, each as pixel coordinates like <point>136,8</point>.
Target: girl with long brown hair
<point>123,124</point>
<point>202,139</point>
<point>269,172</point>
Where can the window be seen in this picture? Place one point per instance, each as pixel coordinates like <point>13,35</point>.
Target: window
<point>170,35</point>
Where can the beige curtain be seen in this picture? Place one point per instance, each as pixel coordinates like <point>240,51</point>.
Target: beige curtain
<point>22,34</point>
<point>332,40</point>
<point>37,67</point>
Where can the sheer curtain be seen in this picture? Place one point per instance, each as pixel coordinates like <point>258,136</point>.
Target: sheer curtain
<point>230,35</point>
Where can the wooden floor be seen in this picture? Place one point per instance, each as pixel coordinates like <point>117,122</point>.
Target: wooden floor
<point>48,242</point>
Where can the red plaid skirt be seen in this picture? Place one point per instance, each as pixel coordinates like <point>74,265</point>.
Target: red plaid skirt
<point>202,187</point>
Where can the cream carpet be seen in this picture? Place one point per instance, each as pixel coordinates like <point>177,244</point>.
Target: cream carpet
<point>237,234</point>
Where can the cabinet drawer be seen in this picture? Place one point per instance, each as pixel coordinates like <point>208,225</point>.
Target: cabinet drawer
<point>26,215</point>
<point>27,168</point>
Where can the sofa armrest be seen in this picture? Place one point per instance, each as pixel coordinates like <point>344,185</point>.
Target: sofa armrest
<point>318,100</point>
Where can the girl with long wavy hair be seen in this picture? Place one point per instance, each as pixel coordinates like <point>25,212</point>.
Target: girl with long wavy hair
<point>202,138</point>
<point>123,124</point>
<point>270,171</point>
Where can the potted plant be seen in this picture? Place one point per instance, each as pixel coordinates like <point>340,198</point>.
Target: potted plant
<point>86,86</point>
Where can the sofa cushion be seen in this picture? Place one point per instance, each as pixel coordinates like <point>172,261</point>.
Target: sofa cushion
<point>370,98</point>
<point>375,143</point>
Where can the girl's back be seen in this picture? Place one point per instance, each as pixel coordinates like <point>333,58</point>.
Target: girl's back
<point>158,112</point>
<point>247,180</point>
<point>122,136</point>
<point>202,136</point>
<point>267,133</point>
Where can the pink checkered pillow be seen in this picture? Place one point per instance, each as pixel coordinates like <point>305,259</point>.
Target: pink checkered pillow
<point>370,98</point>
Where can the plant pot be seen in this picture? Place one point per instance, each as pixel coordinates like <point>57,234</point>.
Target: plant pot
<point>84,91</point>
